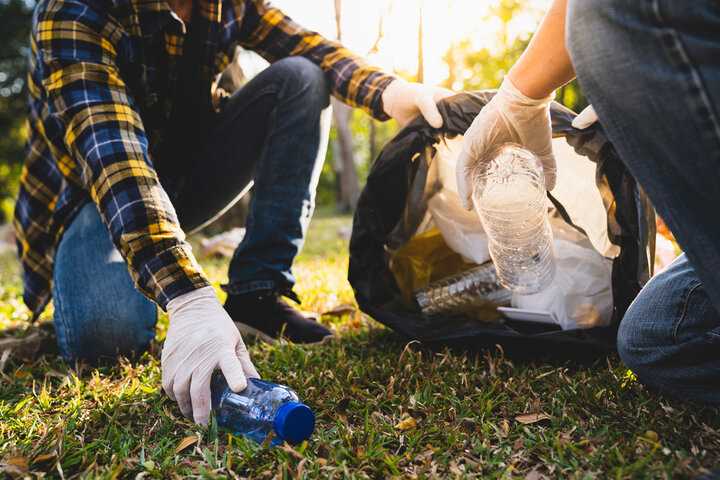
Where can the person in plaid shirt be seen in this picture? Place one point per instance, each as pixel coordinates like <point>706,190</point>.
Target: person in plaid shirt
<point>131,145</point>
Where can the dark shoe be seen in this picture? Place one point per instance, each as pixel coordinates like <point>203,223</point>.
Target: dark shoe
<point>266,316</point>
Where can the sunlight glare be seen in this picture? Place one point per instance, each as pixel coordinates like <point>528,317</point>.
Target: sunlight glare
<point>445,22</point>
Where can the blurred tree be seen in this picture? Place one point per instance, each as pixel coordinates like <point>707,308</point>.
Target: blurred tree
<point>420,77</point>
<point>471,68</point>
<point>343,148</point>
<point>14,45</point>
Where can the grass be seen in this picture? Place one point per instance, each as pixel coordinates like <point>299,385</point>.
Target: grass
<point>386,407</point>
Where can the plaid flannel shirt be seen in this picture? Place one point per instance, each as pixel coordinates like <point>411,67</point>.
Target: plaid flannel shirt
<point>101,80</point>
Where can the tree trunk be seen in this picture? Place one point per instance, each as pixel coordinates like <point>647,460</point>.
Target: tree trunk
<point>349,184</point>
<point>346,175</point>
<point>421,48</point>
<point>373,141</point>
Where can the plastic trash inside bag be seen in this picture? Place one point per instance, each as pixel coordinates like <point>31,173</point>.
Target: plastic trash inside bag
<point>608,218</point>
<point>581,293</point>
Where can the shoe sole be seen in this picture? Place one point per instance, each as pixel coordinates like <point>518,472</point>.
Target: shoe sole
<point>251,332</point>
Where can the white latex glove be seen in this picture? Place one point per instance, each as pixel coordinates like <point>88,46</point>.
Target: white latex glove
<point>586,119</point>
<point>510,117</point>
<point>201,338</point>
<point>404,101</point>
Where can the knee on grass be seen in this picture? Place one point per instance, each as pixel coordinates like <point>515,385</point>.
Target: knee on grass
<point>96,334</point>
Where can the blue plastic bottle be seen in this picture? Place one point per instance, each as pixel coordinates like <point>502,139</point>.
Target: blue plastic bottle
<point>260,409</point>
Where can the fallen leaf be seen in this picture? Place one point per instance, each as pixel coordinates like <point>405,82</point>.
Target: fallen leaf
<point>340,310</point>
<point>16,464</point>
<point>45,457</point>
<point>535,475</point>
<point>530,418</point>
<point>504,428</point>
<point>185,443</point>
<point>652,436</point>
<point>406,424</point>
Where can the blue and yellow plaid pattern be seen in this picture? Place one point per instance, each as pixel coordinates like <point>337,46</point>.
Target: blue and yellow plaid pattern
<point>101,83</point>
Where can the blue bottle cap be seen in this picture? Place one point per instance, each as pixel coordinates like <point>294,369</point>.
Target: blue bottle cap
<point>294,422</point>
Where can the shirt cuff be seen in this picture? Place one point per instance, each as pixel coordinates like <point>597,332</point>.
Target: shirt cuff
<point>375,104</point>
<point>172,273</point>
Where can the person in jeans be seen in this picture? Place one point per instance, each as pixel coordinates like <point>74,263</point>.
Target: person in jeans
<point>651,70</point>
<point>131,144</point>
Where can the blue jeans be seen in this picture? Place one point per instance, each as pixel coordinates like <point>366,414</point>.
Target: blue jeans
<point>272,132</point>
<point>651,69</point>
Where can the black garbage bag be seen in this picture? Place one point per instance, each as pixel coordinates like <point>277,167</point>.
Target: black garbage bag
<point>394,203</point>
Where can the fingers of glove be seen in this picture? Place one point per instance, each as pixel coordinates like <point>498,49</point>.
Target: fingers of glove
<point>200,398</point>
<point>427,106</point>
<point>167,385</point>
<point>244,357</point>
<point>440,93</point>
<point>463,180</point>
<point>549,171</point>
<point>586,118</point>
<point>167,374</point>
<point>181,392</point>
<point>232,369</point>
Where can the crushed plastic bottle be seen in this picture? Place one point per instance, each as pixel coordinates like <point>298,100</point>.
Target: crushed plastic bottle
<point>460,293</point>
<point>260,410</point>
<point>509,196</point>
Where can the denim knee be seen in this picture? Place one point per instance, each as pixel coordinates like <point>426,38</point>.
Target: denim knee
<point>670,336</point>
<point>98,312</point>
<point>634,343</point>
<point>648,331</point>
<point>97,332</point>
<point>304,80</point>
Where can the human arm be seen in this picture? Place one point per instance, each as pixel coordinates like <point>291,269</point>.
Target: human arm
<point>100,144</point>
<point>545,65</point>
<point>520,111</point>
<point>274,35</point>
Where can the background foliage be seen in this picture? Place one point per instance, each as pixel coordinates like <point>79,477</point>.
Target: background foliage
<point>469,69</point>
<point>14,46</point>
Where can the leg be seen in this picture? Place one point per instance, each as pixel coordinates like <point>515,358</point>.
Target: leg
<point>670,336</point>
<point>273,131</point>
<point>98,312</point>
<point>651,71</point>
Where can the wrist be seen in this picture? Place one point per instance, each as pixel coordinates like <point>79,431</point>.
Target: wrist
<point>528,87</point>
<point>389,95</point>
<point>518,96</point>
<point>202,294</point>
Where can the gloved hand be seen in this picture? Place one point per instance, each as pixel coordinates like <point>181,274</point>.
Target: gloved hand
<point>510,117</point>
<point>404,101</point>
<point>201,338</point>
<point>586,118</point>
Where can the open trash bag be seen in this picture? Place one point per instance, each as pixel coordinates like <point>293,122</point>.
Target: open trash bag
<point>410,230</point>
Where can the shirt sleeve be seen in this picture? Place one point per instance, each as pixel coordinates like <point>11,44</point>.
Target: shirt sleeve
<point>274,35</point>
<point>108,149</point>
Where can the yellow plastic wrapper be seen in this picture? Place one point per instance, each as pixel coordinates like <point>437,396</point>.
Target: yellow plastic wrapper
<point>424,259</point>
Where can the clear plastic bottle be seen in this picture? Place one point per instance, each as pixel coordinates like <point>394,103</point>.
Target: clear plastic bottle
<point>460,293</point>
<point>260,409</point>
<point>509,196</point>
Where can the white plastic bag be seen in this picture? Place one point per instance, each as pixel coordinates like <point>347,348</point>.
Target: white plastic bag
<point>461,229</point>
<point>581,293</point>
